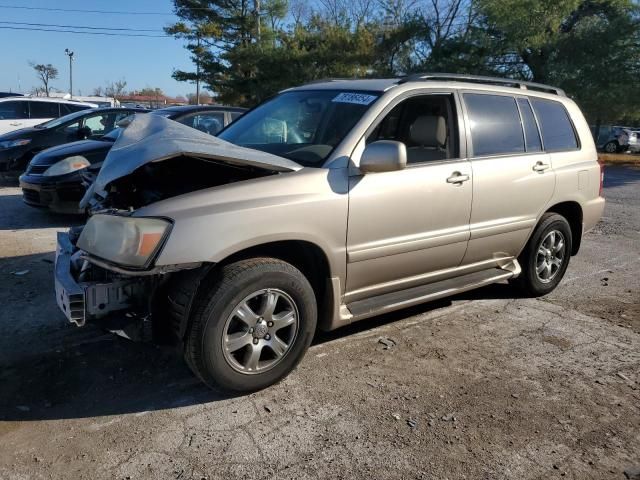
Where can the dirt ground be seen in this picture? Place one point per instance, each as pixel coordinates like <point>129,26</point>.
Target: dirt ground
<point>486,385</point>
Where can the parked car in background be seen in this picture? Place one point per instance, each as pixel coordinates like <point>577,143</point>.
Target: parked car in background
<point>10,94</point>
<point>209,119</point>
<point>22,112</point>
<point>634,141</point>
<point>17,148</point>
<point>328,204</point>
<point>55,177</point>
<point>615,139</point>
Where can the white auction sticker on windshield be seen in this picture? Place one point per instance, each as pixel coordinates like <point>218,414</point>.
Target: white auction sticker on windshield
<point>358,98</point>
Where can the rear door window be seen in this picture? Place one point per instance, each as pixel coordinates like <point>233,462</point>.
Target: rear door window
<point>43,110</point>
<point>13,110</point>
<point>532,136</point>
<point>495,124</point>
<point>557,130</point>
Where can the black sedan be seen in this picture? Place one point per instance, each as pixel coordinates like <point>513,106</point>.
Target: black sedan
<point>54,178</point>
<point>20,146</point>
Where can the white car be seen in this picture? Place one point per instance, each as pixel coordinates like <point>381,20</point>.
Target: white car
<point>634,141</point>
<point>23,112</point>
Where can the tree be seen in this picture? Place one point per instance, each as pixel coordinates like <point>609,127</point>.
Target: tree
<point>573,44</point>
<point>45,73</point>
<point>205,98</point>
<point>115,89</point>
<point>225,38</point>
<point>98,92</point>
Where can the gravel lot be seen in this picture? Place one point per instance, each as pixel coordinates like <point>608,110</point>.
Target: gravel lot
<point>485,385</point>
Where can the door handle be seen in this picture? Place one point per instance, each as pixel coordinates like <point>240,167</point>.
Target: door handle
<point>457,178</point>
<point>540,167</point>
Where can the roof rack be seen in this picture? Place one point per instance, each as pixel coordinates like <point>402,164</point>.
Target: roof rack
<point>507,82</point>
<point>326,80</point>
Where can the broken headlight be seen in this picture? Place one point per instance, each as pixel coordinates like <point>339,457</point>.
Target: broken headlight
<point>130,241</point>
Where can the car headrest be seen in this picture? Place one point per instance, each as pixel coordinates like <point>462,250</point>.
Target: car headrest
<point>429,131</point>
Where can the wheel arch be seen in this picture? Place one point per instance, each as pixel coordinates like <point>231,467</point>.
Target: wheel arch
<point>572,211</point>
<point>306,256</point>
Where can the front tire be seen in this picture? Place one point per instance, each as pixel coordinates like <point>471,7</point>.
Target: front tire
<point>545,259</point>
<point>251,326</point>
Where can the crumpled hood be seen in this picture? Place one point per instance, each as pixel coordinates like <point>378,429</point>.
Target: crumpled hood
<point>152,138</point>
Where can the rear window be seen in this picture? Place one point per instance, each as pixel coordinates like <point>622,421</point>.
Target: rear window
<point>495,124</point>
<point>43,110</point>
<point>557,131</point>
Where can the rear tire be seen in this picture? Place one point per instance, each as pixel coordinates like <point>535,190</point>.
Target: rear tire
<point>611,147</point>
<point>251,326</point>
<point>545,259</point>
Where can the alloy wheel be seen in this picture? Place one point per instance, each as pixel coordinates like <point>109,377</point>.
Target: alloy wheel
<point>550,256</point>
<point>260,331</point>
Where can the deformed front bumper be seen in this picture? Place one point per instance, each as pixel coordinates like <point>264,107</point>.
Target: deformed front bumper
<point>85,292</point>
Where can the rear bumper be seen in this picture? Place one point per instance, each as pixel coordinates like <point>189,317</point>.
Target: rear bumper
<point>61,196</point>
<point>591,213</point>
<point>85,292</point>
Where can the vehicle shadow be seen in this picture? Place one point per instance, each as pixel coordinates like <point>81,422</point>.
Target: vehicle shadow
<point>15,215</point>
<point>51,370</point>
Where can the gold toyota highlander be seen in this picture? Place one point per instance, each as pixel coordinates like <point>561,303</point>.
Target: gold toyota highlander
<point>327,204</point>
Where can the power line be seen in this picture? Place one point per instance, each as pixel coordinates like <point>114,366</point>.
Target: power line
<point>85,33</point>
<point>80,26</point>
<point>82,11</point>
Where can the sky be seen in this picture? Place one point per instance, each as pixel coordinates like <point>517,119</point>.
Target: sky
<point>99,59</point>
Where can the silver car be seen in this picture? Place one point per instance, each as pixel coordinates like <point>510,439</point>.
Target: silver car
<point>328,204</point>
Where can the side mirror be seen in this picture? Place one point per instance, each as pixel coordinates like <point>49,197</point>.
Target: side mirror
<point>383,156</point>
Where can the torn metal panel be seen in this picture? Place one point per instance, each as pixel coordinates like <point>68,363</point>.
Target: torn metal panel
<point>152,138</point>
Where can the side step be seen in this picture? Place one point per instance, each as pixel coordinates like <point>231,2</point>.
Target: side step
<point>388,302</point>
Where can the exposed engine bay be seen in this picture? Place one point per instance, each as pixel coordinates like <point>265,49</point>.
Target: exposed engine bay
<point>157,181</point>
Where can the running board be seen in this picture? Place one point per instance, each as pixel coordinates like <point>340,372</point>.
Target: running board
<point>389,302</point>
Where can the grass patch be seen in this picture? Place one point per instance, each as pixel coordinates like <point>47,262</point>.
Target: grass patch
<point>619,159</point>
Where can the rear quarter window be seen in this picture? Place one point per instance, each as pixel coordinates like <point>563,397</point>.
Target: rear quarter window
<point>67,108</point>
<point>557,131</point>
<point>495,124</point>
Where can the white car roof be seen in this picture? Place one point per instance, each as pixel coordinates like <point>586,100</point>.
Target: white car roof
<point>46,99</point>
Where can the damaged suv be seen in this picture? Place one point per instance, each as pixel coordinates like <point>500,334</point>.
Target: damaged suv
<point>330,203</point>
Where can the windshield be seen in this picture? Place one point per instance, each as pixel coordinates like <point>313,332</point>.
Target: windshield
<point>303,126</point>
<point>60,120</point>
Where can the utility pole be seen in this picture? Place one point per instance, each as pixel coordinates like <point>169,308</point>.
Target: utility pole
<point>198,71</point>
<point>69,53</point>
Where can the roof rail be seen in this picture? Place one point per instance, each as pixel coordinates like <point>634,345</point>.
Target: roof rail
<point>507,82</point>
<point>325,80</point>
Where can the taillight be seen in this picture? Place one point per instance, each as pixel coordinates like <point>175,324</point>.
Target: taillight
<point>601,177</point>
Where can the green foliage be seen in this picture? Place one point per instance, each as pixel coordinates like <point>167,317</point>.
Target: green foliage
<point>246,51</point>
<point>587,47</point>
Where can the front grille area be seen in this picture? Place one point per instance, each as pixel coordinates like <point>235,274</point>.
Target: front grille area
<point>31,196</point>
<point>71,194</point>
<point>37,169</point>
